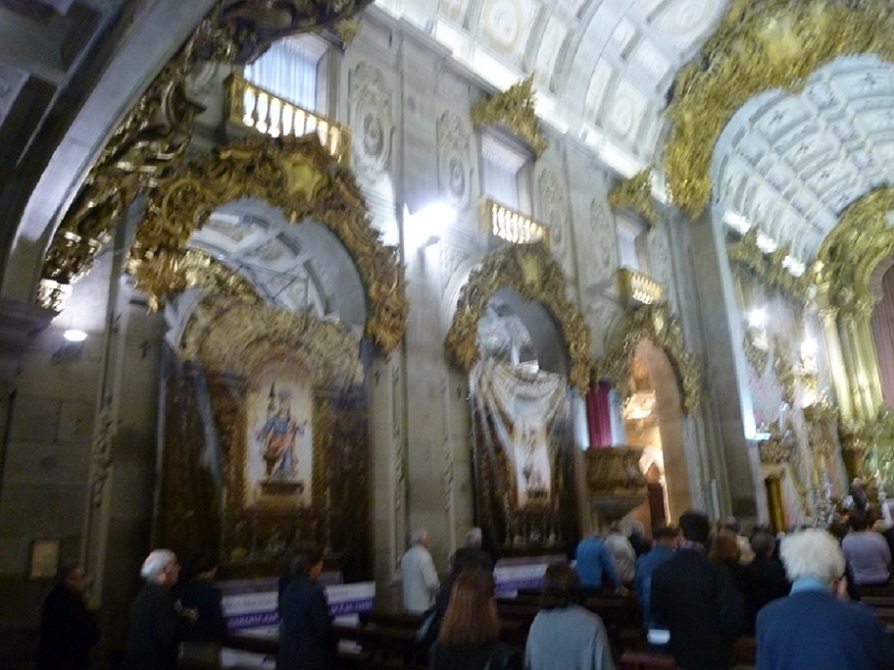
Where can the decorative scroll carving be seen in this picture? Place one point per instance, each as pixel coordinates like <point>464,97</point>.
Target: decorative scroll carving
<point>371,115</point>
<point>615,484</point>
<point>150,142</point>
<point>655,323</point>
<point>101,453</point>
<point>786,371</point>
<point>298,176</point>
<point>530,271</point>
<point>454,164</point>
<point>761,45</point>
<point>636,193</point>
<point>768,268</point>
<point>554,206</point>
<point>514,109</point>
<point>853,250</point>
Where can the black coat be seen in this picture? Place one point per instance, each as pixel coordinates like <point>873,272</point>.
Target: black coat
<point>68,631</point>
<point>697,601</point>
<point>155,630</point>
<point>307,639</point>
<point>202,596</point>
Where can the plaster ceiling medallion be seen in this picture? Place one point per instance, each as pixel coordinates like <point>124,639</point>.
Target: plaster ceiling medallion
<point>790,164</point>
<point>507,25</point>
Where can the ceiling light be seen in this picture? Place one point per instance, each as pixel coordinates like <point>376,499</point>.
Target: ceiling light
<point>73,335</point>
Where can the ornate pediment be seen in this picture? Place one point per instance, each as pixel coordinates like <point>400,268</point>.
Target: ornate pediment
<point>514,110</point>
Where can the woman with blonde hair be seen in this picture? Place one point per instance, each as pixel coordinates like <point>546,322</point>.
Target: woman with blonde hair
<point>468,636</point>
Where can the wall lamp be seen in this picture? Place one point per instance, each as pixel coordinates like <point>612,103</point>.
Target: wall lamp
<point>72,346</point>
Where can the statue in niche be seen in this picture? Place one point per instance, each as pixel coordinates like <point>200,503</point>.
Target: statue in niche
<point>278,436</point>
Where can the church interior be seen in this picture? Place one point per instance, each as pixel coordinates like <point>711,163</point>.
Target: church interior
<point>344,269</point>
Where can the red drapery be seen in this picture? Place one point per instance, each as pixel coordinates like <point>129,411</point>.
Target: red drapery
<point>599,420</point>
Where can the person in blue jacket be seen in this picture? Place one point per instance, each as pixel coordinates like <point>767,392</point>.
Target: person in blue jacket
<point>815,627</point>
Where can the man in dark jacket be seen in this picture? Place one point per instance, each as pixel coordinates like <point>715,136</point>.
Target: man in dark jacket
<point>155,624</point>
<point>68,631</point>
<point>697,601</point>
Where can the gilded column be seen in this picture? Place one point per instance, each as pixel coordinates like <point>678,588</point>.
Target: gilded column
<point>860,359</point>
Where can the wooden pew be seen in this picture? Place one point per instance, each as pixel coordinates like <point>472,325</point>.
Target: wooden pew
<point>644,660</point>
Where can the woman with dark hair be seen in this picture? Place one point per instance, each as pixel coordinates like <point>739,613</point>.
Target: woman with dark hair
<point>725,550</point>
<point>468,636</point>
<point>306,636</point>
<point>564,634</point>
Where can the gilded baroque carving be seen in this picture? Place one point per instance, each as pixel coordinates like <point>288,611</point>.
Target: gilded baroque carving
<point>532,272</point>
<point>514,109</point>
<point>225,336</point>
<point>454,164</point>
<point>151,140</point>
<point>299,177</point>
<point>615,484</point>
<point>657,324</point>
<point>202,271</point>
<point>757,355</point>
<point>636,194</point>
<point>768,268</point>
<point>253,25</point>
<point>785,370</point>
<point>760,45</point>
<point>850,254</point>
<point>347,30</point>
<point>370,118</point>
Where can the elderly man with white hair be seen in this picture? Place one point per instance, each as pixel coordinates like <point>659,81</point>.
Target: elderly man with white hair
<point>155,623</point>
<point>420,579</point>
<point>815,627</point>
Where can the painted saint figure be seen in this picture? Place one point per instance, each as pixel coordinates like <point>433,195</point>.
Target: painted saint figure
<point>278,435</point>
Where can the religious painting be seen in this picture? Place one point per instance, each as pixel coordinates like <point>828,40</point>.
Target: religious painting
<point>530,455</point>
<point>279,453</point>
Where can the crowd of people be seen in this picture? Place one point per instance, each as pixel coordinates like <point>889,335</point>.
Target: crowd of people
<point>699,589</point>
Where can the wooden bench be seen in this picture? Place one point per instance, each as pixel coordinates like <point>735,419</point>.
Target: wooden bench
<point>644,660</point>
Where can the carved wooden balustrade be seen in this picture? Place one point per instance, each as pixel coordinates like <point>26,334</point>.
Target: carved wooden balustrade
<point>253,107</point>
<point>615,484</point>
<point>510,225</point>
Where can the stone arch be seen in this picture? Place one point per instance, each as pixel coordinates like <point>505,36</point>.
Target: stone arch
<point>532,272</point>
<point>668,408</point>
<point>656,324</point>
<point>295,175</point>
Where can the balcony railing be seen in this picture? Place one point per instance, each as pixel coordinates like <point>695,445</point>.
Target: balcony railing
<point>510,225</point>
<point>639,289</point>
<point>253,107</point>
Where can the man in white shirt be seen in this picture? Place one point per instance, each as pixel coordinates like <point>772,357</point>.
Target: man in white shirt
<point>622,553</point>
<point>420,580</point>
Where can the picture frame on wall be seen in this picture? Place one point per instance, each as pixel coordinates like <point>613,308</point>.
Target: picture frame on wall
<point>44,560</point>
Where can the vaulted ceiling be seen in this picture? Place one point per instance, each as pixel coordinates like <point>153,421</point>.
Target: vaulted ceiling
<point>604,72</point>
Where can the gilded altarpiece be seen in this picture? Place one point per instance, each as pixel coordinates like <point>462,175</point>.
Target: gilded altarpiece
<point>523,463</point>
<point>266,440</point>
<point>789,389</point>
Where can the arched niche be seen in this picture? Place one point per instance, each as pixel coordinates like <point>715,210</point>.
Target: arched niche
<point>668,409</point>
<point>530,272</point>
<point>295,175</point>
<point>656,324</point>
